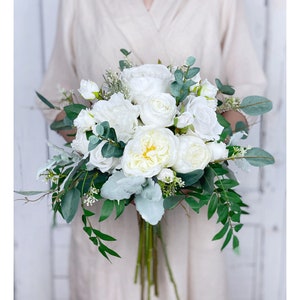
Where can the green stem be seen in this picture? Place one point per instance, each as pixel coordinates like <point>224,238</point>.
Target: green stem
<point>139,256</point>
<point>168,263</point>
<point>149,257</point>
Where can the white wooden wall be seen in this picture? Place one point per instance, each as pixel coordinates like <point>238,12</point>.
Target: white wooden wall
<point>41,251</point>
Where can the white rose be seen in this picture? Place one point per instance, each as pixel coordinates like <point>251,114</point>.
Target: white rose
<point>80,143</point>
<point>88,89</point>
<point>85,120</point>
<point>166,175</point>
<point>218,150</point>
<point>145,80</point>
<point>120,113</point>
<point>185,119</point>
<point>193,154</point>
<point>209,91</point>
<point>159,110</point>
<point>151,150</point>
<point>104,164</point>
<point>206,124</point>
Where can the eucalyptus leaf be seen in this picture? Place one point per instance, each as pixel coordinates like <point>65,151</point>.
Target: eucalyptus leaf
<point>192,72</point>
<point>172,201</point>
<point>64,124</point>
<point>125,52</point>
<point>225,89</point>
<point>178,74</point>
<point>190,61</point>
<point>256,105</point>
<point>192,177</point>
<point>31,193</point>
<point>258,157</point>
<point>69,204</point>
<point>111,150</point>
<point>72,111</point>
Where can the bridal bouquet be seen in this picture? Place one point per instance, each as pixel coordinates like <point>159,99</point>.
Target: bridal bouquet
<point>154,136</point>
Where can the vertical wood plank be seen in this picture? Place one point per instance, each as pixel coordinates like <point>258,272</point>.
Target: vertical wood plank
<point>31,221</point>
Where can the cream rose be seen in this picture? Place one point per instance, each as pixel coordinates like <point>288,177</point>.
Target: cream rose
<point>159,110</point>
<point>151,150</point>
<point>120,113</point>
<point>193,154</point>
<point>146,80</point>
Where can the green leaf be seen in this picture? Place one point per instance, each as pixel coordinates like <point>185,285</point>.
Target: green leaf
<point>64,124</point>
<point>102,235</point>
<point>190,61</point>
<point>125,52</point>
<point>31,193</point>
<point>172,201</point>
<point>88,213</point>
<point>212,205</point>
<point>120,207</point>
<point>193,204</point>
<point>225,89</point>
<point>227,239</point>
<point>178,74</point>
<point>256,105</point>
<point>207,181</point>
<point>94,141</point>
<point>192,177</point>
<point>88,230</point>
<point>238,227</point>
<point>69,204</point>
<point>94,240</point>
<point>175,89</point>
<point>111,150</point>
<point>109,251</point>
<point>221,233</point>
<point>72,111</point>
<point>236,217</point>
<point>192,72</point>
<point>258,157</point>
<point>47,102</point>
<point>100,129</point>
<point>222,213</point>
<point>106,210</point>
<point>226,184</point>
<point>235,242</point>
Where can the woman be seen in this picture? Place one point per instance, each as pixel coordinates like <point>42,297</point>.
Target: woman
<point>89,37</point>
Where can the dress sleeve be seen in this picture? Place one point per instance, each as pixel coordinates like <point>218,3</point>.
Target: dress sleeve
<point>61,70</point>
<point>242,67</point>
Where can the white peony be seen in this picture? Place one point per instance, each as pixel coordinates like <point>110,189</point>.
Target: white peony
<point>88,89</point>
<point>146,80</point>
<point>205,123</point>
<point>120,113</point>
<point>151,150</point>
<point>150,203</point>
<point>218,150</point>
<point>104,164</point>
<point>193,154</point>
<point>80,143</point>
<point>159,110</point>
<point>85,120</point>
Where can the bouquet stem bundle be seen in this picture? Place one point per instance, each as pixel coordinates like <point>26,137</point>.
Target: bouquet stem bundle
<point>147,259</point>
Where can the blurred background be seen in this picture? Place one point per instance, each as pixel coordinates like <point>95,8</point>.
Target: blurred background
<point>41,249</point>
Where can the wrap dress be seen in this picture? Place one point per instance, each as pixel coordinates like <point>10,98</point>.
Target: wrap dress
<point>89,37</point>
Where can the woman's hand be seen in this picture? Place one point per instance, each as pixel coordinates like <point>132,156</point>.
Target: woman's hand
<point>68,135</point>
<point>233,117</point>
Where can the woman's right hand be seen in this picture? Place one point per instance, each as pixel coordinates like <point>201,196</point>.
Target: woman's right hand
<point>68,135</point>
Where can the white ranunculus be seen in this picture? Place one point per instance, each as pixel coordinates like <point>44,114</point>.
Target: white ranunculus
<point>150,203</point>
<point>119,187</point>
<point>159,110</point>
<point>193,154</point>
<point>85,120</point>
<point>206,124</point>
<point>151,150</point>
<point>120,113</point>
<point>218,150</point>
<point>104,164</point>
<point>185,119</point>
<point>88,89</point>
<point>80,143</point>
<point>146,80</point>
<point>166,175</point>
